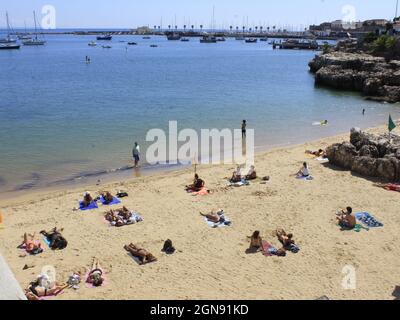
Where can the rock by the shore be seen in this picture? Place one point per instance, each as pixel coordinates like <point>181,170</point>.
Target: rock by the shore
<point>373,76</point>
<point>368,155</point>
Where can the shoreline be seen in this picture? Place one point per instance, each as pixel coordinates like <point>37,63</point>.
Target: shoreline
<point>305,208</point>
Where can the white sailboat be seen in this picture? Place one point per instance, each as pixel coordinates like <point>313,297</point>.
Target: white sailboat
<point>8,43</point>
<point>34,41</point>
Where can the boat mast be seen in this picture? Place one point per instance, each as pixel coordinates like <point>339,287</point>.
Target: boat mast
<point>8,27</point>
<point>34,19</point>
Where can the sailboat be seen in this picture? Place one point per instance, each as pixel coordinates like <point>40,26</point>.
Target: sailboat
<point>24,36</point>
<point>8,43</point>
<point>35,41</point>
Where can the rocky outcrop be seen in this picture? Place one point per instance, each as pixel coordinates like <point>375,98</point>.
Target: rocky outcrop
<point>375,78</point>
<point>368,155</point>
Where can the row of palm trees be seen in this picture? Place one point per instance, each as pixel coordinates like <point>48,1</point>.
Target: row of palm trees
<point>256,28</point>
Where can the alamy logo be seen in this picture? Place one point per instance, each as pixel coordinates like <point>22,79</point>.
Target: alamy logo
<point>213,146</point>
<point>349,281</point>
<point>49,17</point>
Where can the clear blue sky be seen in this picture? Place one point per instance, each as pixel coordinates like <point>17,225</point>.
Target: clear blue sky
<point>133,13</point>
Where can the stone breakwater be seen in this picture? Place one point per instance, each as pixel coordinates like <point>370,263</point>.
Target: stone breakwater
<point>368,155</point>
<point>374,77</point>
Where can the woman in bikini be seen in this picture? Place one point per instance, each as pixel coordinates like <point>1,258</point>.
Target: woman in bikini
<point>36,290</point>
<point>256,241</point>
<point>143,255</point>
<point>284,238</point>
<point>214,216</point>
<point>108,197</point>
<point>31,245</point>
<point>95,276</point>
<point>87,199</point>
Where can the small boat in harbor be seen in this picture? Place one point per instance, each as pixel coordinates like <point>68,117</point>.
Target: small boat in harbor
<point>92,44</point>
<point>132,44</point>
<point>240,38</point>
<point>153,46</point>
<point>8,39</point>
<point>34,41</point>
<point>147,38</point>
<point>9,46</point>
<point>106,47</point>
<point>221,39</point>
<point>105,37</point>
<point>208,39</point>
<point>299,44</point>
<point>185,40</point>
<point>251,40</point>
<point>264,39</point>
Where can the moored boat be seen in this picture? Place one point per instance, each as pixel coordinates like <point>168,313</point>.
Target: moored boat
<point>251,40</point>
<point>34,41</point>
<point>9,46</point>
<point>105,37</point>
<point>208,39</point>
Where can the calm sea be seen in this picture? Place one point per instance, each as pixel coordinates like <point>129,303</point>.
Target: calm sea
<point>62,119</point>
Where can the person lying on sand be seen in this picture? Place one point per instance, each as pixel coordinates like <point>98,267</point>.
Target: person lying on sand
<point>256,241</point>
<point>143,255</point>
<point>319,153</point>
<point>114,218</point>
<point>197,185</point>
<point>31,245</point>
<point>95,276</point>
<point>121,217</point>
<point>37,289</point>
<point>55,238</point>
<point>215,216</point>
<point>87,199</point>
<point>107,196</point>
<point>284,238</point>
<point>346,219</point>
<point>304,172</point>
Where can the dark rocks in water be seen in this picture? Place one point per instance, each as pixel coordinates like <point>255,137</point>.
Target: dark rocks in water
<point>373,76</point>
<point>368,155</point>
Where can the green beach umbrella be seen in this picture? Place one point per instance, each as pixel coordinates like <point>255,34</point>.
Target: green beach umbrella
<point>392,125</point>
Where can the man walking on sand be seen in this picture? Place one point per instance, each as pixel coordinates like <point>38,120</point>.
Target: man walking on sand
<point>136,154</point>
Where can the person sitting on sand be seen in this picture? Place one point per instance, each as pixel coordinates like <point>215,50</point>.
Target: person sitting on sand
<point>87,199</point>
<point>215,216</point>
<point>56,240</point>
<point>237,175</point>
<point>319,153</point>
<point>256,241</point>
<point>251,175</point>
<point>304,171</point>
<point>143,255</point>
<point>31,245</point>
<point>197,185</point>
<point>37,290</point>
<point>108,197</point>
<point>284,238</point>
<point>95,276</point>
<point>346,219</point>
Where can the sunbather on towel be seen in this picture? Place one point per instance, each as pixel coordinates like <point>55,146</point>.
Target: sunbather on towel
<point>95,276</point>
<point>256,241</point>
<point>31,245</point>
<point>304,172</point>
<point>37,289</point>
<point>143,255</point>
<point>215,216</point>
<point>284,238</point>
<point>113,217</point>
<point>319,153</point>
<point>346,219</point>
<point>108,197</point>
<point>55,238</point>
<point>87,199</point>
<point>197,185</point>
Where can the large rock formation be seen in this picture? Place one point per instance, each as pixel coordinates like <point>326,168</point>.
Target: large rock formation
<point>372,76</point>
<point>368,155</point>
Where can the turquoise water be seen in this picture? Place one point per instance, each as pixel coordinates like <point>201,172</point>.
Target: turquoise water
<point>62,118</point>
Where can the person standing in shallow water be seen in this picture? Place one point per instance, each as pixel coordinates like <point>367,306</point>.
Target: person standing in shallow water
<point>244,125</point>
<point>363,112</point>
<point>136,154</point>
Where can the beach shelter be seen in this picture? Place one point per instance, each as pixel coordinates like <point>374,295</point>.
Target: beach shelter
<point>391,125</point>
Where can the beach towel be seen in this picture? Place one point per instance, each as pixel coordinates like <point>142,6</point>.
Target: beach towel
<point>357,228</point>
<point>52,296</point>
<point>46,241</point>
<point>293,248</point>
<point>390,187</point>
<point>322,159</point>
<point>309,178</point>
<point>93,205</point>
<point>37,242</point>
<point>239,184</point>
<point>114,201</point>
<point>202,192</point>
<point>211,224</point>
<point>368,220</point>
<point>136,217</point>
<point>268,249</point>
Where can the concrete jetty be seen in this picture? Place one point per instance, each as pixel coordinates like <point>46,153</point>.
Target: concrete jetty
<point>9,286</point>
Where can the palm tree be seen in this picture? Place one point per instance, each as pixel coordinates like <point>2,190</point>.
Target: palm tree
<point>176,27</point>
<point>261,29</point>
<point>201,28</point>
<point>184,28</point>
<point>244,28</point>
<point>193,27</point>
<point>237,28</point>
<point>256,29</point>
<point>155,27</point>
<point>274,27</point>
<point>169,27</point>
<point>268,28</point>
<point>231,27</point>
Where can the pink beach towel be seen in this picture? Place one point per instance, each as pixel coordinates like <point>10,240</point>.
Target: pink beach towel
<point>202,192</point>
<point>265,247</point>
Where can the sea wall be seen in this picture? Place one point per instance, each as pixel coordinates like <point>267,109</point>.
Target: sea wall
<point>373,76</point>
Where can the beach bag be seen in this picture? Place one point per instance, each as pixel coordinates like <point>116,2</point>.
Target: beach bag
<point>168,247</point>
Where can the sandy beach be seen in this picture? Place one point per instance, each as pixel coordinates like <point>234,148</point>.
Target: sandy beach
<point>212,263</point>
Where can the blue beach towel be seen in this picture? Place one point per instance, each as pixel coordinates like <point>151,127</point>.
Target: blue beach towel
<point>239,184</point>
<point>93,205</point>
<point>368,220</point>
<point>309,178</point>
<point>46,241</point>
<point>114,201</point>
<point>211,224</point>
